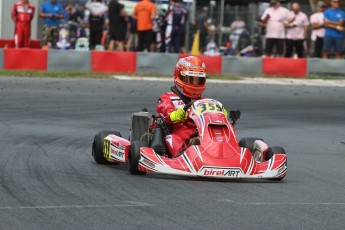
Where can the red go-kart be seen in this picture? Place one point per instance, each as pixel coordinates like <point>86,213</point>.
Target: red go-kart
<point>212,151</point>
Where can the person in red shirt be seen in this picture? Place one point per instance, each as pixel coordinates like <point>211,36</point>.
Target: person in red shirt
<point>22,14</point>
<point>190,83</point>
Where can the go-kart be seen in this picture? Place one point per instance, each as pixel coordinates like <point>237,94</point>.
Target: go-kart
<point>212,151</point>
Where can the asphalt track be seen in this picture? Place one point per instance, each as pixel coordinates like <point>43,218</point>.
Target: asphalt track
<point>50,181</point>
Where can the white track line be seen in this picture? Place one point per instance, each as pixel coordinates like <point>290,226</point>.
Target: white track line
<point>127,204</point>
<point>251,81</point>
<point>264,203</point>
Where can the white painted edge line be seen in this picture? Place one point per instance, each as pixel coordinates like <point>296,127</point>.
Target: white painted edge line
<point>250,81</point>
<point>264,203</point>
<point>126,204</point>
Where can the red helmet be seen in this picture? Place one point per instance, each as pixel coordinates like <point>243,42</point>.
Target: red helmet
<point>190,76</point>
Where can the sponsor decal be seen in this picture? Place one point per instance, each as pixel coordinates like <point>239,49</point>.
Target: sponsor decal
<point>225,172</point>
<point>148,163</point>
<point>117,151</point>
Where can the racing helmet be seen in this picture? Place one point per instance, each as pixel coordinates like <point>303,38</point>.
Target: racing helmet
<point>190,76</point>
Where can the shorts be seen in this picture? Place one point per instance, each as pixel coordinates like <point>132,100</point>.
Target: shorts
<point>274,42</point>
<point>329,42</point>
<point>50,35</point>
<point>116,33</point>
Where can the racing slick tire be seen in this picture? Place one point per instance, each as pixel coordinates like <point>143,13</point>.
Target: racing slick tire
<point>278,150</point>
<point>248,143</point>
<point>134,157</point>
<point>97,146</point>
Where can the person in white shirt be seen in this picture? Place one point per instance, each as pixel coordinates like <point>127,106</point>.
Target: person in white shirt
<point>96,21</point>
<point>318,30</point>
<point>274,17</point>
<point>297,26</point>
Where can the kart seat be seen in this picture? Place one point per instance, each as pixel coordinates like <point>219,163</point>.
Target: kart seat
<point>158,143</point>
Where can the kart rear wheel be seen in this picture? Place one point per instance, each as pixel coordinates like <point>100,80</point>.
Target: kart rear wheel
<point>97,146</point>
<point>248,143</point>
<point>134,157</point>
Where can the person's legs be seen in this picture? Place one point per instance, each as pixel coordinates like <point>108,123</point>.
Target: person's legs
<point>327,44</point>
<point>167,40</point>
<point>92,39</point>
<point>174,144</point>
<point>149,41</point>
<point>120,46</point>
<point>45,35</point>
<point>182,42</point>
<point>338,47</point>
<point>318,47</point>
<point>269,46</point>
<point>280,47</point>
<point>18,37</point>
<point>177,47</point>
<point>54,33</point>
<point>26,36</point>
<point>141,40</point>
<point>289,48</point>
<point>172,43</point>
<point>130,42</point>
<point>98,38</point>
<point>299,48</point>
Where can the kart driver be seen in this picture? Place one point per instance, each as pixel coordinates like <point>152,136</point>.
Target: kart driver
<point>22,14</point>
<point>190,83</point>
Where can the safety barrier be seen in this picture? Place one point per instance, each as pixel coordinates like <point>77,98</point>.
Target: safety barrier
<point>74,61</point>
<point>25,59</point>
<point>288,67</point>
<point>241,66</point>
<point>9,43</point>
<point>161,63</point>
<point>112,62</point>
<point>1,58</point>
<point>325,67</point>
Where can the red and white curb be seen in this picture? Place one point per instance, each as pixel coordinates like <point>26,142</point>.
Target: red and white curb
<point>251,81</point>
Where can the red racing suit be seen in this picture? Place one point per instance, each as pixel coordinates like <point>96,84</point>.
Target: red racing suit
<point>175,142</point>
<point>22,15</point>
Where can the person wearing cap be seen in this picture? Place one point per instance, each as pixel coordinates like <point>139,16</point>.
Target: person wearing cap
<point>334,27</point>
<point>318,30</point>
<point>273,18</point>
<point>297,27</point>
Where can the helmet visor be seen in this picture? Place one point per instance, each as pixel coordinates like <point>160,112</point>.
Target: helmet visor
<point>194,78</point>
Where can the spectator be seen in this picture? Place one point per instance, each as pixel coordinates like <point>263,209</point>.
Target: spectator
<point>274,17</point>
<point>96,21</point>
<point>161,25</point>
<point>117,30</point>
<point>74,14</point>
<point>297,26</point>
<point>334,36</point>
<point>176,18</point>
<point>144,12</point>
<point>183,49</point>
<point>52,12</point>
<point>22,14</point>
<point>238,31</point>
<point>318,31</point>
<point>202,25</point>
<point>132,43</point>
<point>237,24</point>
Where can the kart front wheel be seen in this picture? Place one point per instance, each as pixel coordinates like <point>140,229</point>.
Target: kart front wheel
<point>134,157</point>
<point>97,146</point>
